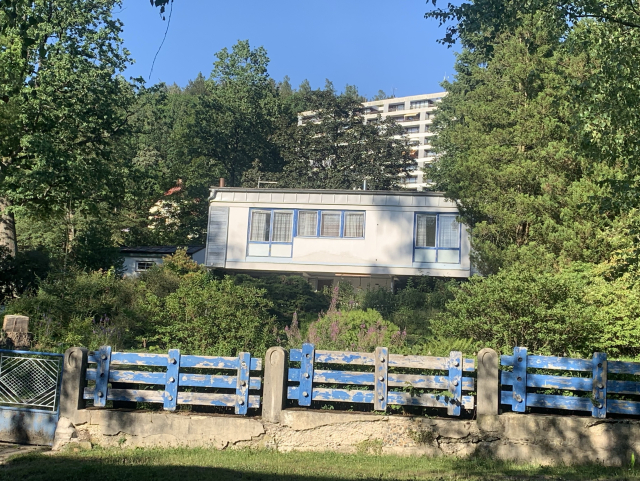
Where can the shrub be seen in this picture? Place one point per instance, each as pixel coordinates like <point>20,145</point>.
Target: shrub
<point>350,330</point>
<point>211,317</point>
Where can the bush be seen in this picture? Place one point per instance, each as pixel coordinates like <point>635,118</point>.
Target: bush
<point>211,317</point>
<point>350,330</point>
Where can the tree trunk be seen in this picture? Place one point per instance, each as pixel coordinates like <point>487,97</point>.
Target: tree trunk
<point>8,237</point>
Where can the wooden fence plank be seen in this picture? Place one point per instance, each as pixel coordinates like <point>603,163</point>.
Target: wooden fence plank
<point>623,387</point>
<point>137,377</point>
<point>102,376</point>
<point>306,374</point>
<point>339,357</point>
<point>138,359</point>
<point>134,395</point>
<point>552,362</point>
<point>599,392</point>
<point>623,367</point>
<point>428,400</point>
<point>381,374</point>
<point>559,402</point>
<point>419,362</point>
<point>519,403</point>
<point>212,362</point>
<point>544,381</point>
<point>343,395</point>
<point>215,399</point>
<point>295,355</point>
<point>617,406</point>
<point>172,380</point>
<point>217,381</point>
<point>455,383</point>
<point>242,386</point>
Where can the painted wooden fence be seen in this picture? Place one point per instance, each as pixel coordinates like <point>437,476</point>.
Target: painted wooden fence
<point>179,379</point>
<point>382,386</point>
<point>591,392</point>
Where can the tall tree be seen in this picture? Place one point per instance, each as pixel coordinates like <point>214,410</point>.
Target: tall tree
<point>64,104</point>
<point>337,149</point>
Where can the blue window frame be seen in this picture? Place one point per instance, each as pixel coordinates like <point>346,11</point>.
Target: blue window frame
<point>331,224</point>
<point>436,238</point>
<point>268,228</point>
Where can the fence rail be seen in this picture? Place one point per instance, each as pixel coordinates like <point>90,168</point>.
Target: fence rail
<point>379,383</point>
<point>236,386</point>
<point>591,393</point>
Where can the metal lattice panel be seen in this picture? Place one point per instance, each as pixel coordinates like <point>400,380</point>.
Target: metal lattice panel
<point>29,381</point>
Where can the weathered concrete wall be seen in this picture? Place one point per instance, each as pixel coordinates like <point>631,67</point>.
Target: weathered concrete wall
<point>532,438</point>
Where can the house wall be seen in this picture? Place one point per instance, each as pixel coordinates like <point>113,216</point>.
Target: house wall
<point>387,247</point>
<point>130,263</point>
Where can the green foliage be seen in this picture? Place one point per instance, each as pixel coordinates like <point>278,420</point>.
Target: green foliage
<point>347,330</point>
<point>209,316</point>
<point>289,294</point>
<point>22,273</point>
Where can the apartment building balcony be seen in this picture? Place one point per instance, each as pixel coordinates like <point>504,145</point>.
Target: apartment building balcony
<point>395,107</point>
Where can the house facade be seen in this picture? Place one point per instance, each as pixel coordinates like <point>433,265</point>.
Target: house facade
<point>368,238</point>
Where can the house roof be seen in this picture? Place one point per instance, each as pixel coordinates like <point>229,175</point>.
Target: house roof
<point>408,193</point>
<point>159,250</point>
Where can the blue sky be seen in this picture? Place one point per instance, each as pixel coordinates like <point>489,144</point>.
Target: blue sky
<point>372,44</point>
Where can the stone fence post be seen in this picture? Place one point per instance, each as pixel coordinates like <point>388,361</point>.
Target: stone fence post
<point>73,382</point>
<point>275,384</point>
<point>488,401</point>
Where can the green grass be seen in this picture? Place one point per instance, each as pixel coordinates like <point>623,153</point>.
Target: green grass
<point>199,464</point>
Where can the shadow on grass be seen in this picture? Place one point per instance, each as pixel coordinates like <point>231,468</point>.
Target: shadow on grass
<point>140,465</point>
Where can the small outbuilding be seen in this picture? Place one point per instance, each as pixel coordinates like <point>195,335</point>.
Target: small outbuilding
<point>142,258</point>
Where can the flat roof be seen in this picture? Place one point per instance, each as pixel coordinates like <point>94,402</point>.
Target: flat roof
<point>407,193</point>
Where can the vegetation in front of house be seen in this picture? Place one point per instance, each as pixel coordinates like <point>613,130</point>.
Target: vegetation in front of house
<point>200,463</point>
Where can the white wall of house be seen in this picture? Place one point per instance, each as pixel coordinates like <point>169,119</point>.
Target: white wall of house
<point>388,247</point>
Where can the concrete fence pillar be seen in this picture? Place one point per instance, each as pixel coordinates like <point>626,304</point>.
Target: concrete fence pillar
<point>73,382</point>
<point>488,401</point>
<point>275,384</point>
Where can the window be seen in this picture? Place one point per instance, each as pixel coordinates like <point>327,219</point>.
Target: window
<point>426,230</point>
<point>262,229</point>
<point>270,233</point>
<point>260,226</point>
<point>282,226</point>
<point>330,224</point>
<point>354,224</point>
<point>412,130</point>
<point>396,107</point>
<point>307,223</point>
<point>419,104</point>
<point>437,238</point>
<point>144,265</point>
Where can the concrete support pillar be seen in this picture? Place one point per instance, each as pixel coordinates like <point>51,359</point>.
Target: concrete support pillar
<point>275,384</point>
<point>73,382</point>
<point>488,401</point>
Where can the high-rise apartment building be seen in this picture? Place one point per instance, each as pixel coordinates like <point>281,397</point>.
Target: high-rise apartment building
<point>415,113</point>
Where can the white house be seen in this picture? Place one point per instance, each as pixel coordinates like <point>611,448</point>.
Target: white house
<point>366,237</point>
<point>143,258</point>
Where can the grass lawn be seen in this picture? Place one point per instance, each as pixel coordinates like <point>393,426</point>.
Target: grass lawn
<point>186,464</point>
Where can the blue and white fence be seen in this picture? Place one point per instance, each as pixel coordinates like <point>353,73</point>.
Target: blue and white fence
<point>379,386</point>
<point>590,384</point>
<point>177,378</point>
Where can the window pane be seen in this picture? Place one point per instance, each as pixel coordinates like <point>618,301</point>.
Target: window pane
<point>307,223</point>
<point>282,226</point>
<point>354,224</point>
<point>449,232</point>
<point>260,224</point>
<point>425,230</point>
<point>330,224</point>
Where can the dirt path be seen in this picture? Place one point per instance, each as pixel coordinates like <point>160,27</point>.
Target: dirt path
<point>8,449</point>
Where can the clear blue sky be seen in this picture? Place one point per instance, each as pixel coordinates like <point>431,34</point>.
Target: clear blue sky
<point>372,44</point>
